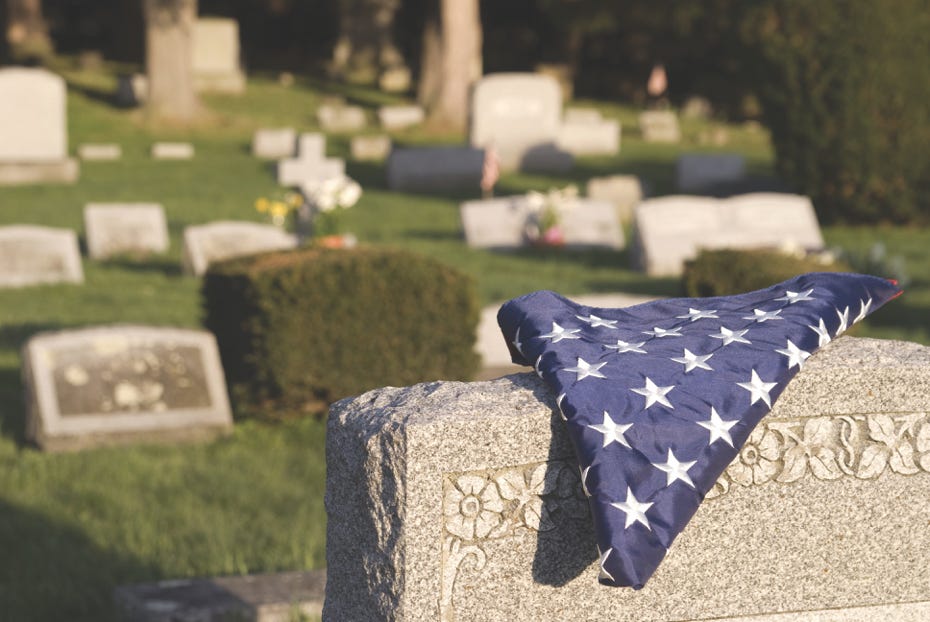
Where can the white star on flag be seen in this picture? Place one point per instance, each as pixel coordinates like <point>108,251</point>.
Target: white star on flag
<point>634,509</point>
<point>821,330</point>
<point>612,431</point>
<point>654,394</point>
<point>595,321</point>
<point>764,316</point>
<point>584,481</point>
<point>558,333</point>
<point>796,356</point>
<point>863,310</point>
<point>793,297</point>
<point>675,470</point>
<point>603,574</point>
<point>844,321</point>
<point>719,428</point>
<point>694,361</point>
<point>730,336</point>
<point>758,389</point>
<point>662,332</point>
<point>623,346</point>
<point>585,369</point>
<point>697,314</point>
<point>516,342</point>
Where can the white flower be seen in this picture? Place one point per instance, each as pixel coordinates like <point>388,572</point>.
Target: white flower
<point>350,194</point>
<point>472,507</point>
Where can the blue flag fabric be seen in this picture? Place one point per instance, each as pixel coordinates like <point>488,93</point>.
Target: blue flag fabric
<point>660,397</point>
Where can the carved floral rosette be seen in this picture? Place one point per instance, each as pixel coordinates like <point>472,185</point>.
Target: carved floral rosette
<point>482,505</point>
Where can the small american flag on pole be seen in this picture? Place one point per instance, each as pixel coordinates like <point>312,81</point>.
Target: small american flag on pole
<point>490,171</point>
<point>660,397</point>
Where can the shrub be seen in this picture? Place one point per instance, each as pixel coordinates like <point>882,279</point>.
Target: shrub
<point>727,272</point>
<point>301,329</point>
<point>846,95</point>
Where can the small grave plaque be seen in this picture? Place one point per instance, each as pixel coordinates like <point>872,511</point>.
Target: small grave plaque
<point>115,228</point>
<point>370,147</point>
<point>274,144</point>
<point>334,118</point>
<point>113,384</point>
<point>100,151</point>
<point>172,151</point>
<point>204,244</point>
<point>659,126</point>
<point>587,137</point>
<point>32,255</point>
<point>400,117</point>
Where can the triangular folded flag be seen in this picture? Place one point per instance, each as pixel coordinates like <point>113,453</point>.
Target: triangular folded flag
<point>660,397</point>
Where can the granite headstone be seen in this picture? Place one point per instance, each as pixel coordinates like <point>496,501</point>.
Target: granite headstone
<point>118,228</point>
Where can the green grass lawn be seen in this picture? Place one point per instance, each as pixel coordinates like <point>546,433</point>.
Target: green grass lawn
<point>74,526</point>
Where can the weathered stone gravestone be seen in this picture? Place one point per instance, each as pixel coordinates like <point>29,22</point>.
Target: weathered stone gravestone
<point>274,143</point>
<point>33,128</point>
<point>659,126</point>
<point>172,151</point>
<point>400,117</point>
<point>215,241</point>
<point>100,151</point>
<point>426,169</point>
<point>492,348</point>
<point>624,191</point>
<point>132,89</point>
<point>501,223</point>
<point>370,147</point>
<point>702,172</point>
<point>520,115</point>
<point>118,228</point>
<point>462,501</point>
<point>33,255</point>
<point>341,118</point>
<point>584,133</point>
<point>671,230</point>
<point>216,55</point>
<point>311,163</point>
<point>115,384</point>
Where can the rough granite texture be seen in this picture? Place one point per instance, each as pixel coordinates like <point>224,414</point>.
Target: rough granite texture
<point>461,501</point>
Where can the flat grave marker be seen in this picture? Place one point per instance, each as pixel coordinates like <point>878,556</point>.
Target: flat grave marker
<point>659,126</point>
<point>34,255</point>
<point>215,241</point>
<point>117,228</point>
<point>274,143</point>
<point>172,151</point>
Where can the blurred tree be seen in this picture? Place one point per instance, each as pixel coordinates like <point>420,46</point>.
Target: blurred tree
<point>169,33</point>
<point>27,31</point>
<point>458,67</point>
<point>365,48</point>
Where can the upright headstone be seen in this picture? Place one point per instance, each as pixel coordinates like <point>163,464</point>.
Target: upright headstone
<point>370,147</point>
<point>519,114</point>
<point>703,172</point>
<point>671,230</point>
<point>33,255</point>
<point>586,137</point>
<point>400,117</point>
<point>116,384</point>
<point>659,126</point>
<point>311,163</point>
<point>215,241</point>
<point>427,169</point>
<point>34,128</point>
<point>463,501</point>
<point>341,118</point>
<point>624,191</point>
<point>501,223</point>
<point>132,89</point>
<point>117,228</point>
<point>216,55</point>
<point>274,143</point>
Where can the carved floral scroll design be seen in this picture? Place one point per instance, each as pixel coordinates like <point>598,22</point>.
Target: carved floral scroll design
<point>860,446</point>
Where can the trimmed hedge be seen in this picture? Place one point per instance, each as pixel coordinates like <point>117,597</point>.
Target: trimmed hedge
<point>727,272</point>
<point>846,94</point>
<point>301,329</point>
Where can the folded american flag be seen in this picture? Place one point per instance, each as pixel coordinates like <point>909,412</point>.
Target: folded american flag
<point>660,397</point>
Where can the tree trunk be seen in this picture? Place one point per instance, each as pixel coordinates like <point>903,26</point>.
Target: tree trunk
<point>366,40</point>
<point>169,41</point>
<point>430,63</point>
<point>26,30</point>
<point>461,62</point>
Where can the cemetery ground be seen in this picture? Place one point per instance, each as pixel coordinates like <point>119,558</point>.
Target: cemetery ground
<point>73,526</point>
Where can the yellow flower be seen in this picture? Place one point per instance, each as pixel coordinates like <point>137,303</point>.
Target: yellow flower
<point>261,205</point>
<point>294,199</point>
<point>279,208</point>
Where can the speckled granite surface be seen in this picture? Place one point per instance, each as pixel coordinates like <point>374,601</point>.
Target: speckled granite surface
<point>461,501</point>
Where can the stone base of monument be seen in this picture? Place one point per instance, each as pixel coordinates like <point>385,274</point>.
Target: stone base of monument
<point>462,501</point>
<point>56,172</point>
<point>256,598</point>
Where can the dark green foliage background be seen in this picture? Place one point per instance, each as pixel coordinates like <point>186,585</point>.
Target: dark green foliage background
<point>728,272</point>
<point>305,328</point>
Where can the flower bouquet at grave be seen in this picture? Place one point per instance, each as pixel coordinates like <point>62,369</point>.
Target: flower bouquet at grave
<point>319,216</point>
<point>544,222</point>
<point>278,208</point>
